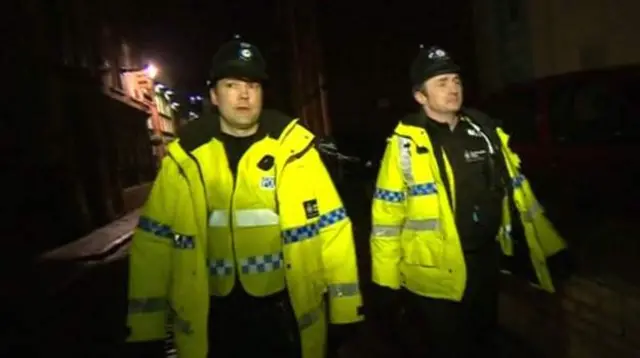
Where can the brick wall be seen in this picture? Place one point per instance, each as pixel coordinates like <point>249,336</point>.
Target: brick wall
<point>588,317</point>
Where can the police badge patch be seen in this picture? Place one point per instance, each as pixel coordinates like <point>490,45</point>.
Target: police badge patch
<point>311,209</point>
<point>268,183</point>
<point>245,54</point>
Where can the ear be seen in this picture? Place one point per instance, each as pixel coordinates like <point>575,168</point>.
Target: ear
<point>213,96</point>
<point>420,97</point>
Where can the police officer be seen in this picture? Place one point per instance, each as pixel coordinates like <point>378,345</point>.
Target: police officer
<point>450,201</point>
<point>244,238</point>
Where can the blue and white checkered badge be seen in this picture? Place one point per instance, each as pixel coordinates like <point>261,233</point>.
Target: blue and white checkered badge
<point>262,263</point>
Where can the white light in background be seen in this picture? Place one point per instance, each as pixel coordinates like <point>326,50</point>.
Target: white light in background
<point>151,70</point>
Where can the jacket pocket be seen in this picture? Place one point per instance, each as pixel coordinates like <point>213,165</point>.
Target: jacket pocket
<point>423,249</point>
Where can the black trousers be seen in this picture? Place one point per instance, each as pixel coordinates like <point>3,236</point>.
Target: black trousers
<point>241,326</point>
<point>466,328</point>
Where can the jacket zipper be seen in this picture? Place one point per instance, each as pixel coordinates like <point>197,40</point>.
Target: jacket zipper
<point>233,193</point>
<point>233,240</point>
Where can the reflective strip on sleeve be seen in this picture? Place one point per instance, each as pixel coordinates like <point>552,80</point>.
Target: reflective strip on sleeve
<point>264,263</point>
<point>343,289</point>
<point>182,325</point>
<point>220,267</point>
<point>407,171</point>
<point>404,148</point>
<point>388,195</point>
<point>256,217</point>
<point>178,323</point>
<point>153,227</point>
<point>385,231</point>
<point>308,319</point>
<point>219,218</point>
<point>146,305</point>
<point>533,210</point>
<point>312,230</point>
<point>422,225</point>
<point>507,231</point>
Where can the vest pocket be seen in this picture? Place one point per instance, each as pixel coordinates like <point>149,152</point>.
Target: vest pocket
<point>423,248</point>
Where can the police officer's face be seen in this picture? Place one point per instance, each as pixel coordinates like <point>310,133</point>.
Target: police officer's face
<point>442,93</point>
<point>239,102</point>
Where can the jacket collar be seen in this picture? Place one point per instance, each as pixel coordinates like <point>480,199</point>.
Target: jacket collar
<point>200,132</point>
<point>292,137</point>
<point>414,123</point>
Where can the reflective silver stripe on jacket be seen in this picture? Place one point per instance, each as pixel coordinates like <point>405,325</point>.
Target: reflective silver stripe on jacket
<point>422,225</point>
<point>256,217</point>
<point>532,211</point>
<point>507,231</point>
<point>219,218</point>
<point>384,231</point>
<point>411,187</point>
<point>404,147</point>
<point>244,218</point>
<point>309,318</point>
<point>178,323</point>
<point>344,289</point>
<point>146,305</point>
<point>393,231</point>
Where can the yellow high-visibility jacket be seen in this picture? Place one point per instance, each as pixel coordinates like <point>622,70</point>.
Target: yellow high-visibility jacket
<point>414,240</point>
<point>283,222</point>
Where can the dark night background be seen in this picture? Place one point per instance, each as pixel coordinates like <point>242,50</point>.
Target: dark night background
<point>368,46</point>
<point>78,148</point>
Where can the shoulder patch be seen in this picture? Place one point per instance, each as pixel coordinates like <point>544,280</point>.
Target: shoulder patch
<point>268,182</point>
<point>311,209</point>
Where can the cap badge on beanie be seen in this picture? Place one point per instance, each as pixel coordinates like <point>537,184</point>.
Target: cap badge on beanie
<point>245,51</point>
<point>438,54</point>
